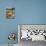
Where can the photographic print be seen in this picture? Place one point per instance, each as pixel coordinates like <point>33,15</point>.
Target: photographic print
<point>31,34</point>
<point>10,13</point>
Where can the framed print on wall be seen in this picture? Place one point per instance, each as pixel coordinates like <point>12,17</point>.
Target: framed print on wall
<point>10,13</point>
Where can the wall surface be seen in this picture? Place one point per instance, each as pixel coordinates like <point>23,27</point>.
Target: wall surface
<point>27,12</point>
<point>31,11</point>
<point>7,25</point>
